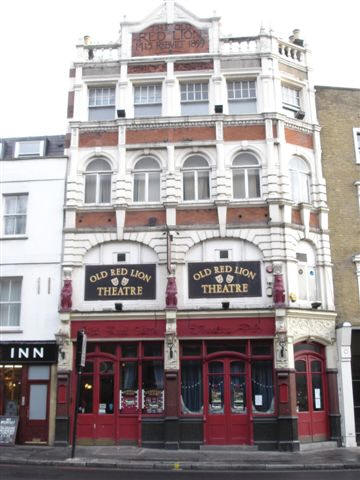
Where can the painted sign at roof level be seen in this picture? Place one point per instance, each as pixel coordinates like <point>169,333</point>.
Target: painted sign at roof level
<point>169,39</point>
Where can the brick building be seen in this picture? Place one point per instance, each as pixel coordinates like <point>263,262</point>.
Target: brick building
<point>339,117</point>
<point>196,249</point>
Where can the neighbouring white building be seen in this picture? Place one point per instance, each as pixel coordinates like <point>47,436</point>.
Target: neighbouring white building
<point>32,186</point>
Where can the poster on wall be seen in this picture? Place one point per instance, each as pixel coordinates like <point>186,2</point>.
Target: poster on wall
<point>120,282</point>
<point>224,279</point>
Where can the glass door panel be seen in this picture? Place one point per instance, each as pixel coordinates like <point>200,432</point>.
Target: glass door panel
<point>237,387</point>
<point>216,387</point>
<point>37,402</point>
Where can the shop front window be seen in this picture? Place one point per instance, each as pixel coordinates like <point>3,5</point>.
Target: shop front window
<point>87,388</point>
<point>10,389</point>
<point>262,386</point>
<point>106,391</point>
<point>191,387</point>
<point>153,386</point>
<point>129,386</point>
<point>238,387</point>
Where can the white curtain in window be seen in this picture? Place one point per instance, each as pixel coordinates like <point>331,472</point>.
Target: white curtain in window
<point>189,185</point>
<point>105,188</point>
<point>90,189</point>
<point>239,183</point>
<point>139,187</point>
<point>253,183</point>
<point>203,185</point>
<point>154,187</point>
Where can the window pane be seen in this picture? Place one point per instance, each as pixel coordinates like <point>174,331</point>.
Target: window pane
<point>106,368</point>
<point>189,185</point>
<point>4,314</point>
<point>20,224</point>
<point>152,349</point>
<point>237,388</point>
<point>139,187</point>
<point>253,183</point>
<point>105,188</point>
<point>37,402</point>
<point>317,392</point>
<point>10,204</point>
<point>86,394</point>
<point>4,290</point>
<point>101,113</point>
<point>301,393</point>
<point>191,387</point>
<point>9,225</point>
<point>154,187</point>
<point>239,184</point>
<point>106,397</point>
<point>129,350</point>
<point>14,314</point>
<point>21,203</point>
<point>203,185</point>
<point>39,372</point>
<point>153,386</point>
<point>129,376</point>
<point>90,188</point>
<point>216,388</point>
<point>262,386</point>
<point>191,348</point>
<point>98,165</point>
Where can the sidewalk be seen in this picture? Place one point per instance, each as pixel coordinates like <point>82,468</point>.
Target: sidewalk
<point>125,457</point>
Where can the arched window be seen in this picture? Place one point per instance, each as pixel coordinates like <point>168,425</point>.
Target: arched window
<point>196,181</point>
<point>300,180</point>
<point>246,176</point>
<point>147,180</point>
<point>98,182</point>
<point>307,274</point>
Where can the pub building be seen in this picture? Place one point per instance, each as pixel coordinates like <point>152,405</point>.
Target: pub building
<point>28,388</point>
<point>196,249</point>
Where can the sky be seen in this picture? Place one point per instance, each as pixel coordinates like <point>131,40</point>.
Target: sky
<point>38,38</point>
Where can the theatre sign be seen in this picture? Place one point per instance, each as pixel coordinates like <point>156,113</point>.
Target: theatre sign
<point>120,282</point>
<point>228,279</point>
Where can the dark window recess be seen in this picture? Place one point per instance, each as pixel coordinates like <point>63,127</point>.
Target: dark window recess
<point>90,347</point>
<point>301,257</point>
<point>239,347</point>
<point>261,348</point>
<point>129,350</point>
<point>224,253</point>
<point>310,347</point>
<point>121,257</point>
<point>191,349</point>
<point>108,348</point>
<point>152,349</point>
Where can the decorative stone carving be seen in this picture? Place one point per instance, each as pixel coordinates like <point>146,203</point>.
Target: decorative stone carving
<point>65,350</point>
<point>171,352</point>
<point>316,329</point>
<point>281,350</point>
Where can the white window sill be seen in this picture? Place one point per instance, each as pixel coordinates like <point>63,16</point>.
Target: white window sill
<point>11,329</point>
<point>14,237</point>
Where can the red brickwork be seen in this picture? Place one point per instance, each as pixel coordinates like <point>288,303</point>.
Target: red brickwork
<point>98,139</point>
<point>141,218</point>
<point>147,68</point>
<point>314,220</point>
<point>95,219</point>
<point>197,217</point>
<point>298,138</point>
<point>251,132</point>
<point>188,66</point>
<point>247,215</point>
<point>156,135</point>
<point>296,217</point>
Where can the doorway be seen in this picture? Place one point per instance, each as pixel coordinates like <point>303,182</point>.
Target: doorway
<point>311,394</point>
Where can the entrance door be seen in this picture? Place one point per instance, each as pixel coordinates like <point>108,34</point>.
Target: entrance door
<point>96,420</point>
<point>227,404</point>
<point>311,398</point>
<point>35,425</point>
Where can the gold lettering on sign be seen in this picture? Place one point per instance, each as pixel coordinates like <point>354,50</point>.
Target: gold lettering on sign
<point>230,288</point>
<point>119,291</point>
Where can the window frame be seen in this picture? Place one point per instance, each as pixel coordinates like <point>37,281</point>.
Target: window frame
<point>185,91</point>
<point>245,169</point>
<point>195,179</point>
<point>11,302</point>
<point>291,106</point>
<point>356,133</point>
<point>146,173</point>
<point>298,175</point>
<point>21,143</point>
<point>109,106</point>
<point>307,266</point>
<point>158,98</point>
<point>15,215</point>
<point>98,174</point>
<point>235,99</point>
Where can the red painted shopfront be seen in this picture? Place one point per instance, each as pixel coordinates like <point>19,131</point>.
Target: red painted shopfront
<point>224,383</point>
